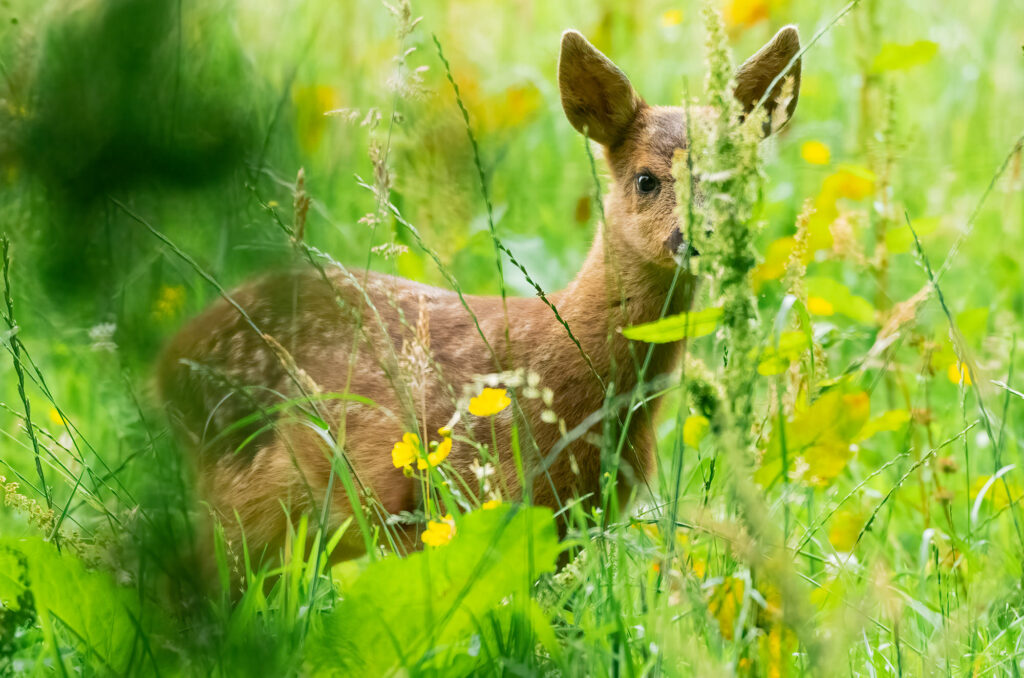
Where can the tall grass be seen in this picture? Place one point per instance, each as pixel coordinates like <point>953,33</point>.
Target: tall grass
<point>838,490</point>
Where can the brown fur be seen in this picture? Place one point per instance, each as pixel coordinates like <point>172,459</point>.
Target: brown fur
<point>220,369</point>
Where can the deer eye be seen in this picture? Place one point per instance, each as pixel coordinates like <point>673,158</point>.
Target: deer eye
<point>645,183</point>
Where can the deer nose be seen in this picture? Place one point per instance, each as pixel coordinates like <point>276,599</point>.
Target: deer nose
<point>676,244</point>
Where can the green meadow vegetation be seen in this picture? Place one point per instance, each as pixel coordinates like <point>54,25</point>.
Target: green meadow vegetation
<point>839,477</point>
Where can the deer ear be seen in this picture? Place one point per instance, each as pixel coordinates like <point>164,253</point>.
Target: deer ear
<point>757,73</point>
<point>597,97</point>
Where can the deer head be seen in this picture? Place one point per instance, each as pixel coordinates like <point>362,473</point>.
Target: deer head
<point>640,140</point>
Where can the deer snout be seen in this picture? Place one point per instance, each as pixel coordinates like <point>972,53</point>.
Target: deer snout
<point>677,245</point>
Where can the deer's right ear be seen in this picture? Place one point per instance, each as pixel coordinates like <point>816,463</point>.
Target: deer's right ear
<point>597,97</point>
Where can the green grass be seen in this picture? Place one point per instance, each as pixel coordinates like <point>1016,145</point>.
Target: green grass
<point>862,518</point>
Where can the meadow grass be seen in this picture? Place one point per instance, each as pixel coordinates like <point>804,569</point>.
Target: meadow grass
<point>838,489</point>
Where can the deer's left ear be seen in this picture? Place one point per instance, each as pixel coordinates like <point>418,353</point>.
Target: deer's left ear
<point>597,97</point>
<point>757,73</point>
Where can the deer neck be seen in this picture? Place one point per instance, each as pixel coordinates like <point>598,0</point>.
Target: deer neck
<point>614,289</point>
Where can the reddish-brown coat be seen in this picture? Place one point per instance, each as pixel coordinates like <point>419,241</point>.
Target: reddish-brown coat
<point>341,336</point>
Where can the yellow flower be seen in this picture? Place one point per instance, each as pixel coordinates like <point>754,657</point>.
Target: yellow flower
<point>439,532</point>
<point>441,452</point>
<point>815,153</point>
<point>170,300</point>
<point>489,402</point>
<point>493,503</point>
<point>854,183</point>
<point>746,12</point>
<point>404,453</point>
<point>957,369</point>
<point>55,417</point>
<point>819,306</point>
<point>672,17</point>
<point>846,527</point>
<point>725,603</point>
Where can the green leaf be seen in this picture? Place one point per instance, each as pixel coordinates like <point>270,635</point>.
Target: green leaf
<point>973,324</point>
<point>776,359</point>
<point>843,301</point>
<point>675,327</point>
<point>899,239</point>
<point>400,611</point>
<point>819,438</point>
<point>893,420</point>
<point>895,57</point>
<point>87,609</point>
<point>694,429</point>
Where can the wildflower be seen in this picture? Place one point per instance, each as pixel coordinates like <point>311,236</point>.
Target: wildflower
<point>439,532</point>
<point>55,417</point>
<point>815,153</point>
<point>169,301</point>
<point>489,402</point>
<point>672,17</point>
<point>854,183</point>
<point>482,473</point>
<point>102,337</point>
<point>490,504</point>
<point>819,306</point>
<point>442,450</point>
<point>958,370</point>
<point>405,452</point>
<point>946,464</point>
<point>741,13</point>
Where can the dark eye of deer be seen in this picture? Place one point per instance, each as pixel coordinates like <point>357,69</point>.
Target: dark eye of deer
<point>645,183</point>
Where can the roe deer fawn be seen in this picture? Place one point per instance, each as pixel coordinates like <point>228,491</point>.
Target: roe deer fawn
<point>301,333</point>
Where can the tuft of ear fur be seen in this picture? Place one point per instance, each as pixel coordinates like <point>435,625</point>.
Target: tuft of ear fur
<point>597,97</point>
<point>757,73</point>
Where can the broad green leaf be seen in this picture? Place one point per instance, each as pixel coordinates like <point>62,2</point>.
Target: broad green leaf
<point>893,420</point>
<point>973,324</point>
<point>399,610</point>
<point>844,529</point>
<point>776,256</point>
<point>776,359</point>
<point>900,239</point>
<point>694,429</point>
<point>675,327</point>
<point>819,439</point>
<point>13,577</point>
<point>88,610</point>
<point>842,300</point>
<point>895,56</point>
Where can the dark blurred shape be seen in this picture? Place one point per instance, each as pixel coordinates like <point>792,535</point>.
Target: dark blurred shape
<point>123,97</point>
<point>120,96</point>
